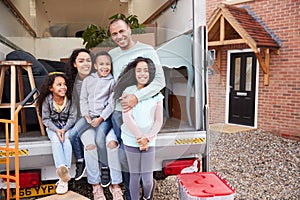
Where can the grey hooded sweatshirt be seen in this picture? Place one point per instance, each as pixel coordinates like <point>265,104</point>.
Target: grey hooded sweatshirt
<point>96,98</point>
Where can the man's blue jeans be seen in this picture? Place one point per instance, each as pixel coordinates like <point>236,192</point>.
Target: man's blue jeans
<point>80,126</point>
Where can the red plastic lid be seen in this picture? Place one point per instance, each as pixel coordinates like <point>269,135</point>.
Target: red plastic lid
<point>205,184</point>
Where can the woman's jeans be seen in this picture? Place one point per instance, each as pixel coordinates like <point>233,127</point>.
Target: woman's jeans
<point>94,142</point>
<point>80,126</point>
<point>62,151</point>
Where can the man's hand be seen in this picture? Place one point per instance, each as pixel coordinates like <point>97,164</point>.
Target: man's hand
<point>128,101</point>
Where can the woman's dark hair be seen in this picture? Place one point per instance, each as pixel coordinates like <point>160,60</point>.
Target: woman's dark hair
<point>104,53</point>
<point>72,71</point>
<point>45,89</point>
<point>127,77</point>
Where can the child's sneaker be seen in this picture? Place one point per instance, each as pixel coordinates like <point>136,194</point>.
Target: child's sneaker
<point>98,192</point>
<point>116,193</point>
<point>105,177</point>
<point>61,187</point>
<point>80,170</point>
<point>63,173</point>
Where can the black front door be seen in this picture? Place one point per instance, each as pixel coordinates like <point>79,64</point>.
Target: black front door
<point>242,88</point>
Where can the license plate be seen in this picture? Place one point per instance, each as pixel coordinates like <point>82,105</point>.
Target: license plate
<point>45,189</point>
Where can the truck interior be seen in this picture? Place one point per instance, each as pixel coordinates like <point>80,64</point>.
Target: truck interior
<point>175,56</point>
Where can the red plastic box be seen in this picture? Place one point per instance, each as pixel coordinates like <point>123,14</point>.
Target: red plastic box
<point>204,186</point>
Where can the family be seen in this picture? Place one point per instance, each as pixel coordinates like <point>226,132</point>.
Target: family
<point>106,109</point>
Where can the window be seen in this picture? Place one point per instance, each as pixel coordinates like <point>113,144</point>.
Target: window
<point>237,74</point>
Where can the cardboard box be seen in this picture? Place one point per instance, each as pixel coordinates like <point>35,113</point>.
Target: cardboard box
<point>204,186</point>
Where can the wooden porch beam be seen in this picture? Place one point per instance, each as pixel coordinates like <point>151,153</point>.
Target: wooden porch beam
<point>219,59</point>
<point>216,19</point>
<point>267,65</point>
<point>226,42</point>
<point>222,29</point>
<point>264,64</point>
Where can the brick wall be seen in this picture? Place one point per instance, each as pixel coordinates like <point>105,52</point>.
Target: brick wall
<point>278,103</point>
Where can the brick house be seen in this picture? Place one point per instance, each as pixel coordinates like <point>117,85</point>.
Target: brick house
<point>255,80</point>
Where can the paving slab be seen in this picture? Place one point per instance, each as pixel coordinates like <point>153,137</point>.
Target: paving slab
<point>70,195</point>
<point>229,128</point>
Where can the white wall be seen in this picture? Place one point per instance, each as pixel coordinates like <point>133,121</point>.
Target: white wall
<point>13,31</point>
<point>27,8</point>
<point>45,48</point>
<point>54,48</point>
<point>42,21</point>
<point>144,8</point>
<point>172,23</point>
<point>4,50</point>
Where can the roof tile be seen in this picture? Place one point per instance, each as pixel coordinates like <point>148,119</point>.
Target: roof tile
<point>250,25</point>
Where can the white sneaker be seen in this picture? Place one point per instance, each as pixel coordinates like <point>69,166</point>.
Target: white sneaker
<point>98,193</point>
<point>63,173</point>
<point>61,187</point>
<point>116,193</point>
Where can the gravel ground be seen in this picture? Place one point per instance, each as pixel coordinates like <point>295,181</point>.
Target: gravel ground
<point>258,164</point>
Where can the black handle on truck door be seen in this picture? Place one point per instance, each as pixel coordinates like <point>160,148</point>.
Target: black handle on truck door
<point>35,90</point>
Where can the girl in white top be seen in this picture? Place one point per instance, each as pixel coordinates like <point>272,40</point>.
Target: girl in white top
<point>141,125</point>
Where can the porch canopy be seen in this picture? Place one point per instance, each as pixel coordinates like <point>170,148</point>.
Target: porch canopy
<point>230,25</point>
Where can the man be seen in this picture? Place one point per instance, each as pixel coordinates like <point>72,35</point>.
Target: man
<point>127,51</point>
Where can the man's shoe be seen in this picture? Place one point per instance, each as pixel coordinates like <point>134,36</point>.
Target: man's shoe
<point>61,187</point>
<point>80,170</point>
<point>63,173</point>
<point>98,193</point>
<point>105,177</point>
